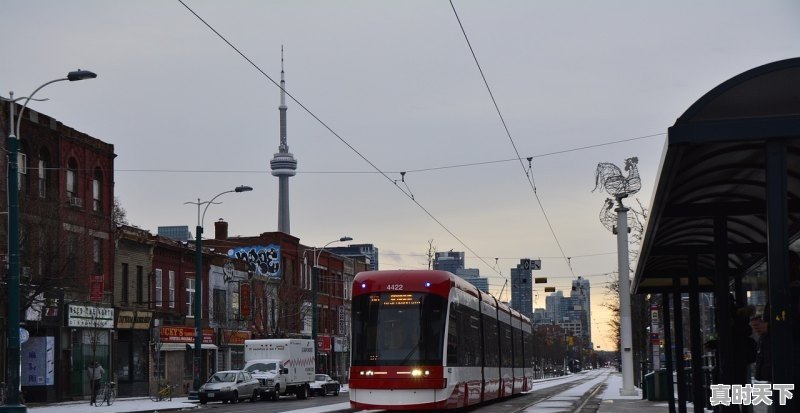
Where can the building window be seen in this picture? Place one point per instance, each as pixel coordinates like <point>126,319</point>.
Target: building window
<point>220,306</point>
<point>42,178</point>
<point>22,168</point>
<point>172,289</point>
<point>190,297</point>
<point>96,186</point>
<point>139,284</point>
<point>159,281</point>
<point>72,178</point>
<point>124,290</point>
<point>72,254</point>
<point>97,258</point>
<point>235,301</point>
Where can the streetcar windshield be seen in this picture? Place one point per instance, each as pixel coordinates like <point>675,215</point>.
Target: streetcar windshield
<point>398,328</point>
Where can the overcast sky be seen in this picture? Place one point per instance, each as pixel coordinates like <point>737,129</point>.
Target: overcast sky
<point>190,118</point>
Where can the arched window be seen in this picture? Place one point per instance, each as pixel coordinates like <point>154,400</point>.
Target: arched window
<point>72,178</point>
<point>97,186</point>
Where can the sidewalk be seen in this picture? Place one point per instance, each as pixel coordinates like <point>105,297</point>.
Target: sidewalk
<point>125,405</point>
<point>144,404</point>
<point>612,402</point>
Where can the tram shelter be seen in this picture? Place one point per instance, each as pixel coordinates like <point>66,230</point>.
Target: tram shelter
<point>725,219</point>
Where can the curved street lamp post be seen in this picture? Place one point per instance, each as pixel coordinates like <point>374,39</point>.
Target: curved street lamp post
<point>198,288</point>
<point>12,325</point>
<point>314,283</point>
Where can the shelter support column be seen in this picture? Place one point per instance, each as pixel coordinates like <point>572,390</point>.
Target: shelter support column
<point>678,323</point>
<point>780,312</point>
<point>722,305</point>
<point>668,350</point>
<point>698,378</point>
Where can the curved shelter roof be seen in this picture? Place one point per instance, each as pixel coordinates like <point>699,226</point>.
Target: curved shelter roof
<point>732,147</point>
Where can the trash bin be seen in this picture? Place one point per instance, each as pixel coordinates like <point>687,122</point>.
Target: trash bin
<point>657,384</point>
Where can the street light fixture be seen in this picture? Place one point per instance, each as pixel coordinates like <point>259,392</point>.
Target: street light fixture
<point>12,325</point>
<point>314,282</point>
<point>198,288</point>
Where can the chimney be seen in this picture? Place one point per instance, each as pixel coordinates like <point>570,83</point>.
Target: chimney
<point>221,230</point>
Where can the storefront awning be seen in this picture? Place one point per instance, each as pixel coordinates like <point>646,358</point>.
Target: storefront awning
<point>182,346</point>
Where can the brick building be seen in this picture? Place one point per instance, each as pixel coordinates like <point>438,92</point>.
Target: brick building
<point>66,199</point>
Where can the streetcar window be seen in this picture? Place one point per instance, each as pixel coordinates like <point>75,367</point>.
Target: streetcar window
<point>490,340</point>
<point>398,328</point>
<point>464,334</point>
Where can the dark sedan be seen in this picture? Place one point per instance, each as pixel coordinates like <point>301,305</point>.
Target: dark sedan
<point>324,385</point>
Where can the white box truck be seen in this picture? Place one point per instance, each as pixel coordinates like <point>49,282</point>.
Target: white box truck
<point>283,366</point>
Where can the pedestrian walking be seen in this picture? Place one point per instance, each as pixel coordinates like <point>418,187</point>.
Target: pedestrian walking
<point>96,372</point>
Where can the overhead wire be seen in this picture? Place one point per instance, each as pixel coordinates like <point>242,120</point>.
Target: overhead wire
<point>409,171</point>
<point>528,175</point>
<point>325,125</point>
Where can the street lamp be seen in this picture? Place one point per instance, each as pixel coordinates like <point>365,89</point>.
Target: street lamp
<point>12,324</point>
<point>198,274</point>
<point>314,282</point>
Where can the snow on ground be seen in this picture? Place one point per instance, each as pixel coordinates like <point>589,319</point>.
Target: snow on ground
<point>120,405</point>
<point>613,385</point>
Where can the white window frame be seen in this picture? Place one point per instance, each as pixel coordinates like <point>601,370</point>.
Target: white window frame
<point>72,184</point>
<point>159,286</point>
<point>190,291</point>
<point>42,178</point>
<point>95,194</point>
<point>171,289</point>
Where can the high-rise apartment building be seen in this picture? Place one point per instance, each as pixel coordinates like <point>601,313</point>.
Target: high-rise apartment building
<point>368,251</point>
<point>449,261</point>
<point>522,290</point>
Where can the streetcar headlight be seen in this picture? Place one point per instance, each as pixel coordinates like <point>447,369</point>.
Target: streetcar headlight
<point>427,284</point>
<point>367,373</point>
<point>416,372</point>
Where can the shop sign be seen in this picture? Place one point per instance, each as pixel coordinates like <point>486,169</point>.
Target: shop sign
<point>244,300</point>
<point>235,337</point>
<point>96,288</point>
<point>341,345</point>
<point>125,319</point>
<point>91,317</point>
<point>184,335</point>
<point>324,343</point>
<point>142,320</point>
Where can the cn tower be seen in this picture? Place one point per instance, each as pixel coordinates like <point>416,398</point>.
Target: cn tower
<point>283,163</point>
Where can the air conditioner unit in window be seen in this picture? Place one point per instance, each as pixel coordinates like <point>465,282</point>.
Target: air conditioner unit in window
<point>75,201</point>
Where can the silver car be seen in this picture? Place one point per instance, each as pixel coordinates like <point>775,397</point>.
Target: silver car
<point>229,386</point>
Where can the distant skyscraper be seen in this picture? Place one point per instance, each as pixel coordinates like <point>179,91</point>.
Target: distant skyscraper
<point>473,276</point>
<point>554,306</point>
<point>283,163</point>
<point>359,250</point>
<point>448,261</point>
<point>581,292</point>
<point>178,233</point>
<point>522,290</point>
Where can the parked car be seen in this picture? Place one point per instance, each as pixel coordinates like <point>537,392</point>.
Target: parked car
<point>229,386</point>
<point>324,385</point>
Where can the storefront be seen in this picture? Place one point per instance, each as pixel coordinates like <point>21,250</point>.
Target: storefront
<point>132,352</point>
<point>231,349</point>
<point>91,329</point>
<point>174,356</point>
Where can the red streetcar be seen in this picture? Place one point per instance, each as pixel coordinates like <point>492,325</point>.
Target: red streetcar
<point>428,340</point>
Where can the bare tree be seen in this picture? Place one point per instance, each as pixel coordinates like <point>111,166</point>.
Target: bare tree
<point>118,214</point>
<point>431,254</point>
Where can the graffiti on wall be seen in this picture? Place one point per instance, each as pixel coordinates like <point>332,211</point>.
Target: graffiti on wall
<point>260,259</point>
